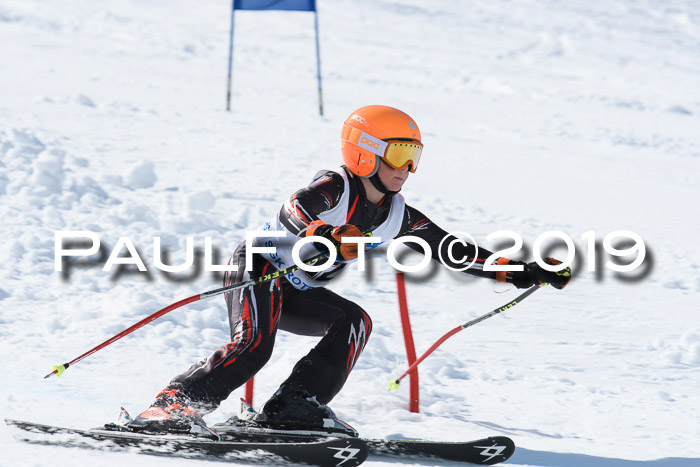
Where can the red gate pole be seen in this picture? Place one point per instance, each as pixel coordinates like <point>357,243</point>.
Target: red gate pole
<point>408,340</point>
<point>249,391</point>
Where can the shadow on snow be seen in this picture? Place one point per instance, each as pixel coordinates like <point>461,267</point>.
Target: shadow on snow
<point>555,459</point>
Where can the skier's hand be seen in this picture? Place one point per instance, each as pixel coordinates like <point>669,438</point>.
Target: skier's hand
<point>534,274</point>
<point>346,251</point>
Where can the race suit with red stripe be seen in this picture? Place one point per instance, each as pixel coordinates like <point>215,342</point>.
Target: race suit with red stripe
<point>300,304</point>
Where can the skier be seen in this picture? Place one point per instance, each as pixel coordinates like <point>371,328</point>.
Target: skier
<point>380,147</point>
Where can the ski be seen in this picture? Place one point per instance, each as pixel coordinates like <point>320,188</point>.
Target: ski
<point>241,441</point>
<point>321,452</point>
<point>487,451</point>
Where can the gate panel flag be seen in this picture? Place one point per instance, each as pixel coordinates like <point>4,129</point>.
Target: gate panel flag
<point>286,5</point>
<point>289,5</point>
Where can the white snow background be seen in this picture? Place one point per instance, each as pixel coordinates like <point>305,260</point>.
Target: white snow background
<point>536,115</point>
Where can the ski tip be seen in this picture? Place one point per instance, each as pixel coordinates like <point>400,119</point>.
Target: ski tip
<point>394,384</point>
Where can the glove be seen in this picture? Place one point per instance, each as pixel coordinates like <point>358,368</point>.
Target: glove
<point>533,274</point>
<point>346,251</point>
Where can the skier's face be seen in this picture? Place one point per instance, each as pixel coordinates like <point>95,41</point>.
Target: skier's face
<point>392,179</point>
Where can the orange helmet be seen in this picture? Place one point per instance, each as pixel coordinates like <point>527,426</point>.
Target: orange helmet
<point>378,131</point>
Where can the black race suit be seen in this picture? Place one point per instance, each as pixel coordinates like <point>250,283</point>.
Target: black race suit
<point>257,312</point>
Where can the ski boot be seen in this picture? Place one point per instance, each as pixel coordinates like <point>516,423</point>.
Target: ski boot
<point>293,408</point>
<point>172,412</point>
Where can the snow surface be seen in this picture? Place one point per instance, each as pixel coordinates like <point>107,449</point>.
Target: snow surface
<point>536,115</point>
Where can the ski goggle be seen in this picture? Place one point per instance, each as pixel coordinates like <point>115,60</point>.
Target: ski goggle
<point>397,153</point>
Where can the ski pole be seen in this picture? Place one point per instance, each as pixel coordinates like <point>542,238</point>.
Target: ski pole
<point>394,384</point>
<point>59,369</point>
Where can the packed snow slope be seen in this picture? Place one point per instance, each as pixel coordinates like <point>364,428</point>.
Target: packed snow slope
<point>536,116</point>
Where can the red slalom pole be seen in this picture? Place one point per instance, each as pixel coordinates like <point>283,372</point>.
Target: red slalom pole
<point>249,389</point>
<point>59,369</point>
<point>413,405</point>
<point>394,384</point>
